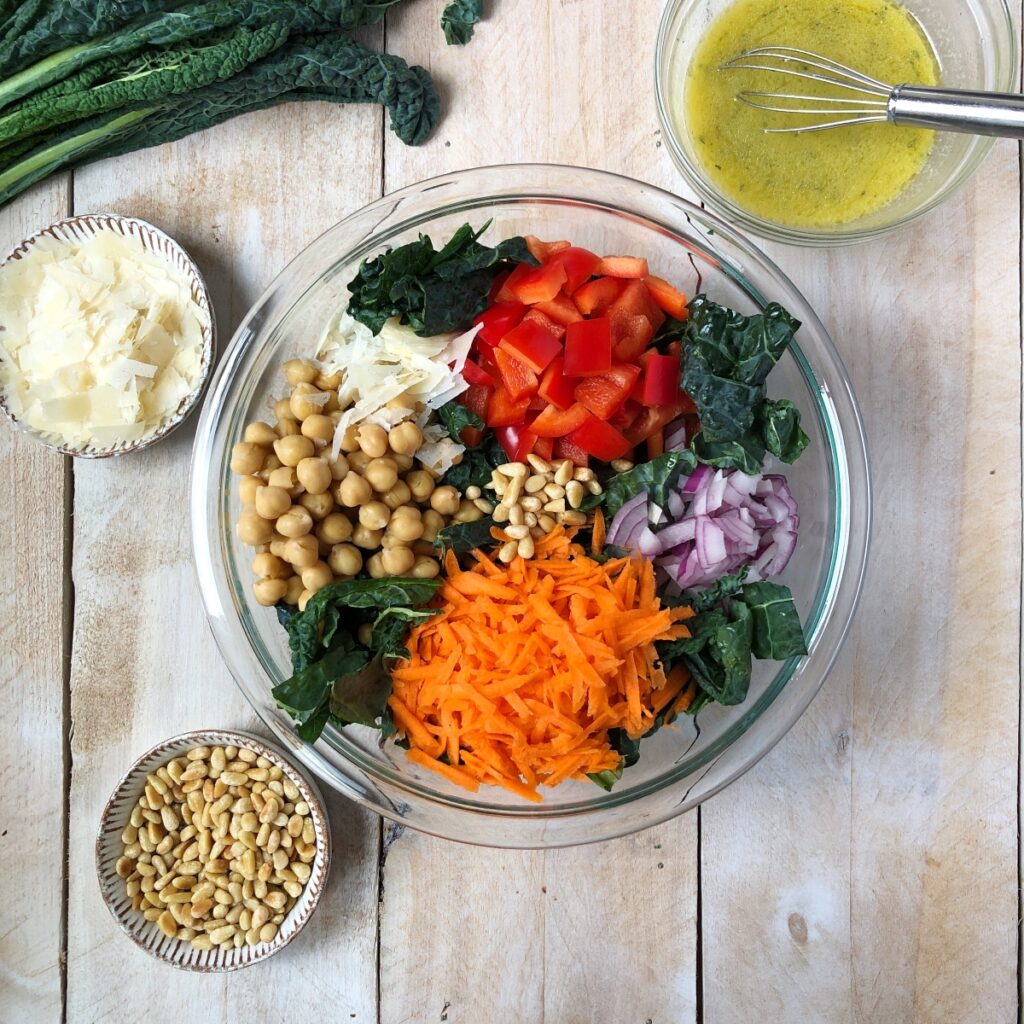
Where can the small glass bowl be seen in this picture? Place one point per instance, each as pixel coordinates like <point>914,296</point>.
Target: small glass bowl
<point>680,766</point>
<point>976,45</point>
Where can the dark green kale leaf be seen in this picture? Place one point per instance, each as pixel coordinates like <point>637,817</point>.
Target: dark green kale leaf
<point>778,634</point>
<point>433,291</point>
<point>726,360</point>
<point>458,20</point>
<point>455,417</point>
<point>657,477</point>
<point>477,465</point>
<point>722,589</point>
<point>391,627</point>
<point>305,693</point>
<point>463,537</point>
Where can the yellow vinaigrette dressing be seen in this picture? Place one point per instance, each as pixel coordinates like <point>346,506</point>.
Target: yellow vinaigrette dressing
<point>818,179</point>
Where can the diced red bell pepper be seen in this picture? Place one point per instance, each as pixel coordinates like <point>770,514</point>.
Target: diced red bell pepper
<point>556,388</point>
<point>631,334</point>
<point>626,415</point>
<point>537,404</point>
<point>544,447</point>
<point>656,443</point>
<point>471,436</point>
<point>652,419</point>
<point>517,441</point>
<point>498,320</point>
<point>529,343</point>
<point>671,300</point>
<point>606,392</point>
<point>516,377</point>
<point>475,398</point>
<point>555,422</point>
<point>596,296</point>
<point>533,284</point>
<point>579,265</point>
<point>561,309</point>
<point>636,300</point>
<point>600,439</point>
<point>567,449</point>
<point>623,266</point>
<point>661,379</point>
<point>555,328</point>
<point>588,347</point>
<point>474,373</point>
<point>503,410</point>
<point>542,251</point>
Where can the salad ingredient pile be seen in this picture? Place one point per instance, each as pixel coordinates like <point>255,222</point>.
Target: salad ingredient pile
<point>611,527</point>
<point>218,848</point>
<point>100,340</point>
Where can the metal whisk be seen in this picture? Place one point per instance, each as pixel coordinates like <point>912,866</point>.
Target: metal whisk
<point>871,101</point>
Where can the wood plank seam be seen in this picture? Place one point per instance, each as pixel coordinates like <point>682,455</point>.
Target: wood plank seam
<point>68,633</point>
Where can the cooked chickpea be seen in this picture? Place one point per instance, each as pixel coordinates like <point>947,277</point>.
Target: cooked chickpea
<point>422,547</point>
<point>445,500</point>
<point>285,478</point>
<point>314,474</point>
<point>398,496</point>
<point>402,402</point>
<point>424,568</point>
<point>405,438</point>
<point>374,515</point>
<point>318,427</point>
<point>373,440</point>
<point>247,488</point>
<point>302,551</point>
<point>328,381</point>
<point>270,463</point>
<point>316,576</point>
<point>335,528</point>
<point>432,522</point>
<point>293,449</point>
<point>467,512</point>
<point>307,400</point>
<point>353,491</point>
<point>381,474</point>
<point>304,600</point>
<point>296,522</point>
<point>339,467</point>
<point>358,461</point>
<point>332,404</point>
<point>365,538</point>
<point>345,559</point>
<point>247,458</point>
<point>295,589</point>
<point>397,561</point>
<point>288,426</point>
<point>272,502</point>
<point>403,462</point>
<point>269,592</point>
<point>420,483</point>
<point>270,567</point>
<point>253,529</point>
<point>282,409</point>
<point>260,433</point>
<point>406,527</point>
<point>375,566</point>
<point>317,505</point>
<point>299,371</point>
<point>364,634</point>
<point>350,439</point>
<point>278,546</point>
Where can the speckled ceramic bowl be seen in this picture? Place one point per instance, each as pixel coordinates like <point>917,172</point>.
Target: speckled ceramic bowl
<point>78,229</point>
<point>146,934</point>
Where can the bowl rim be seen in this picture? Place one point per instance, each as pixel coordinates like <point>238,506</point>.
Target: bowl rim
<point>850,448</point>
<point>840,235</point>
<point>137,928</point>
<point>93,223</point>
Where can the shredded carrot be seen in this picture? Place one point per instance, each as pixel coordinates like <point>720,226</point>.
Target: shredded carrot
<point>599,534</point>
<point>519,680</point>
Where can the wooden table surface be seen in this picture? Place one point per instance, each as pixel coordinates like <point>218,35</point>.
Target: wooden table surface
<point>865,871</point>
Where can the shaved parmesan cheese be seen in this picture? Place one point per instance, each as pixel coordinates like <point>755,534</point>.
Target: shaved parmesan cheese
<point>439,456</point>
<point>100,341</point>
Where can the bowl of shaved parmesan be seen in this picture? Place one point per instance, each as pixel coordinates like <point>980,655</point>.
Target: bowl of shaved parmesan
<point>106,335</point>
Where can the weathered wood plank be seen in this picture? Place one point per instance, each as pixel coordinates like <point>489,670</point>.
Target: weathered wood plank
<point>868,866</point>
<point>243,198</point>
<point>32,652</point>
<point>560,936</point>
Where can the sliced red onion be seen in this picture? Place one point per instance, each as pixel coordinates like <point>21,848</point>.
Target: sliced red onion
<point>675,436</point>
<point>629,522</point>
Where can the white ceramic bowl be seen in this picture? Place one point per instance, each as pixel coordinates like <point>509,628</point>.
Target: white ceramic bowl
<point>146,934</point>
<point>78,229</point>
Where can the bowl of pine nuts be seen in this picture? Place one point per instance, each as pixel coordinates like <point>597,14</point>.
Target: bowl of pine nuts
<point>213,851</point>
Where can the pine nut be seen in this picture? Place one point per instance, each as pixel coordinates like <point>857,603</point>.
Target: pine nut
<point>554,491</point>
<point>485,506</point>
<point>124,867</point>
<point>512,492</point>
<point>526,548</point>
<point>539,464</point>
<point>202,942</point>
<point>531,519</point>
<point>563,474</point>
<point>222,934</point>
<point>594,487</point>
<point>556,505</point>
<point>233,779</point>
<point>535,483</point>
<point>574,518</point>
<point>513,470</point>
<point>516,515</point>
<point>531,504</point>
<point>152,913</point>
<point>546,523</point>
<point>247,755</point>
<point>275,899</point>
<point>500,514</point>
<point>293,794</point>
<point>268,933</point>
<point>517,532</point>
<point>621,465</point>
<point>574,493</point>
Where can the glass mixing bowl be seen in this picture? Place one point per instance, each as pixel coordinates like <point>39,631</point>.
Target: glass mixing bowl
<point>679,767</point>
<point>976,45</point>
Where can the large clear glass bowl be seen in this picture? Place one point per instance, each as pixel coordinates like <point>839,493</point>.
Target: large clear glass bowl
<point>679,767</point>
<point>976,44</point>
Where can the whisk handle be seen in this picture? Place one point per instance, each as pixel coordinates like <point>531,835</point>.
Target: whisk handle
<point>956,110</point>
